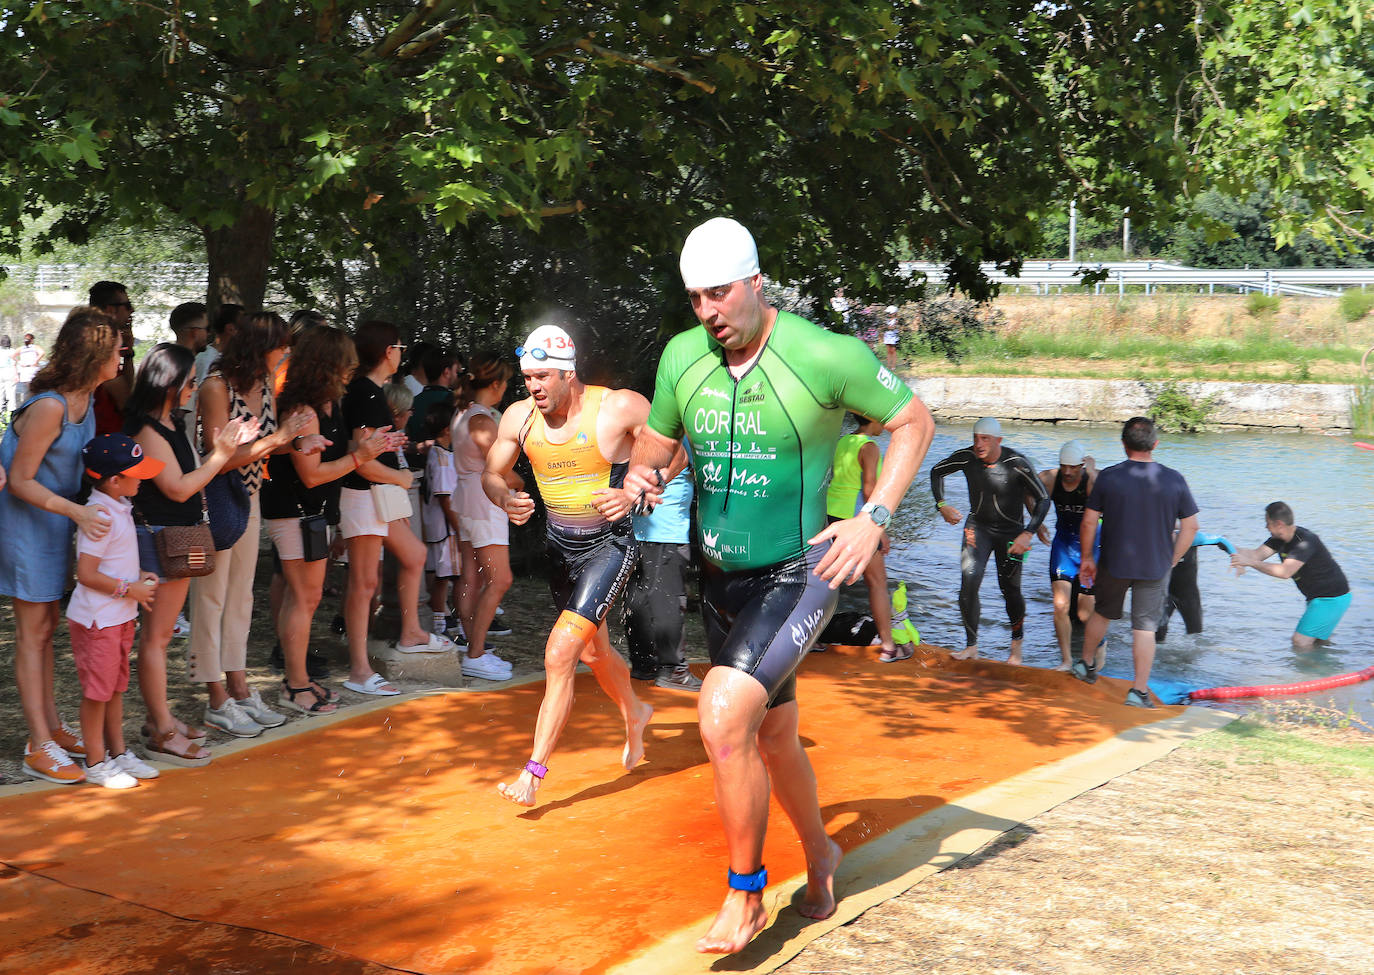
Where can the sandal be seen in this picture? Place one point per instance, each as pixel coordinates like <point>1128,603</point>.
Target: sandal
<point>902,652</point>
<point>288,700</point>
<point>375,684</point>
<point>326,694</point>
<point>195,735</point>
<point>159,750</point>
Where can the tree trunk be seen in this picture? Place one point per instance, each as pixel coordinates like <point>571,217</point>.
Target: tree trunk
<point>239,255</point>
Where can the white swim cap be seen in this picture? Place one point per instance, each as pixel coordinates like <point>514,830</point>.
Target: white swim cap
<point>892,309</point>
<point>719,251</point>
<point>548,347</point>
<point>1072,453</point>
<point>988,426</point>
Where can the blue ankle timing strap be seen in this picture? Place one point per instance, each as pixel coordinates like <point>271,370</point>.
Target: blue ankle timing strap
<point>748,881</point>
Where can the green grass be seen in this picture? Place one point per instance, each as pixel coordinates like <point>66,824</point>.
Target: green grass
<point>1151,356</point>
<point>1261,743</point>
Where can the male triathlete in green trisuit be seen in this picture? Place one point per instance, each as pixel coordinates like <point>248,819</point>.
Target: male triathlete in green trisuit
<point>761,395</point>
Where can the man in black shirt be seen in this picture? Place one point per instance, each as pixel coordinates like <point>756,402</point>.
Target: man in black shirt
<point>1000,482</point>
<point>1304,559</point>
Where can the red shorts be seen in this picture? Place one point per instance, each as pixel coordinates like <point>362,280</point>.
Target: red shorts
<point>102,658</point>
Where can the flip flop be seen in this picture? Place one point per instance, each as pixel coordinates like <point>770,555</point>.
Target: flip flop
<point>376,685</point>
<point>897,654</point>
<point>435,644</point>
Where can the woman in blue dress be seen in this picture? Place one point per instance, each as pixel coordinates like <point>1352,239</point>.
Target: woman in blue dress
<point>41,450</point>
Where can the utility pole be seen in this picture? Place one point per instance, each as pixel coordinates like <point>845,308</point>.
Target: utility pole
<point>1073,228</point>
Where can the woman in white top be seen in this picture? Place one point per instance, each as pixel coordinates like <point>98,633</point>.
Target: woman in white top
<point>484,528</point>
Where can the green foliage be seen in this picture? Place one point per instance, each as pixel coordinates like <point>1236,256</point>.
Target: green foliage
<point>834,131</point>
<point>1355,305</point>
<point>1362,407</point>
<point>947,325</point>
<point>1261,305</point>
<point>1175,410</point>
<point>1284,100</point>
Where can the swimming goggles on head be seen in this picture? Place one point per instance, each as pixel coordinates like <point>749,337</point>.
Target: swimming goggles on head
<point>539,355</point>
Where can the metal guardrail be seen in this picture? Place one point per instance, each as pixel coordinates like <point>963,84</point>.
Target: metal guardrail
<point>1049,276</point>
<point>1043,276</point>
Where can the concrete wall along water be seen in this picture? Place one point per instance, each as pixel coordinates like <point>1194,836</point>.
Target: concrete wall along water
<point>1306,407</point>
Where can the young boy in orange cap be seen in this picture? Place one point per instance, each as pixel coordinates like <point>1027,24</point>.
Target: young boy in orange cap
<point>104,607</point>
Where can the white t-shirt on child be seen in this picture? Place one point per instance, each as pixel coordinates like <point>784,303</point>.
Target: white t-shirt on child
<point>440,478</point>
<point>118,553</point>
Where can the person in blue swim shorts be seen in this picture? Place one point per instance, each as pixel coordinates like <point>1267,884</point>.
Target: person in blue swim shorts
<point>1068,486</point>
<point>1304,559</point>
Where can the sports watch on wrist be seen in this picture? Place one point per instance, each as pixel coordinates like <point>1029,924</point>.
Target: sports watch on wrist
<point>880,515</point>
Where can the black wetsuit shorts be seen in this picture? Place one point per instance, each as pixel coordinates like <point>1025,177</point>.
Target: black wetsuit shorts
<point>765,621</point>
<point>588,573</point>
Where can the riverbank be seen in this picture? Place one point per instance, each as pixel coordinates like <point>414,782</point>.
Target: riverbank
<point>1298,407</point>
<point>1157,337</point>
<point>1250,850</point>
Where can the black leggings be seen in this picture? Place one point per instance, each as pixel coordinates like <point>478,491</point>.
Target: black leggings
<point>1183,596</point>
<point>973,561</point>
<point>653,608</point>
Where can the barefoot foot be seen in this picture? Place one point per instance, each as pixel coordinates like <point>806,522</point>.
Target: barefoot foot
<point>522,790</point>
<point>1064,667</point>
<point>741,917</point>
<point>819,902</point>
<point>633,753</point>
<point>1014,655</point>
<point>968,653</point>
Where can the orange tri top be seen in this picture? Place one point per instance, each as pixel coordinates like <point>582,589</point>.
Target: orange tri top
<point>569,472</point>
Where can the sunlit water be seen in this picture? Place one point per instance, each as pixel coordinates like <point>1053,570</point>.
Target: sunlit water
<point>1247,620</point>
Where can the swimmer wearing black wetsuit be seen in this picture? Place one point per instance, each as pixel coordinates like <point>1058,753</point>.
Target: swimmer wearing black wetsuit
<point>1000,480</point>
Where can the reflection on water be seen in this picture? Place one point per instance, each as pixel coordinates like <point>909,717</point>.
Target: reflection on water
<point>1247,620</point>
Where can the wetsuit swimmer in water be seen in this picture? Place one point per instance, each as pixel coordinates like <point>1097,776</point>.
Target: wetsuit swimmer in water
<point>1069,486</point>
<point>999,481</point>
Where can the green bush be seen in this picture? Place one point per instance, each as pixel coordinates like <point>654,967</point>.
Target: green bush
<point>1175,410</point>
<point>1356,304</point>
<point>1260,305</point>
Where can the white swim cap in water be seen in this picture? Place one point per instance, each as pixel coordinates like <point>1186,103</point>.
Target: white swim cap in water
<point>1072,453</point>
<point>988,426</point>
<point>719,251</point>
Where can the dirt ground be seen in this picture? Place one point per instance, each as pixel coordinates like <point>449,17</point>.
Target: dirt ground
<point>1222,858</point>
<point>1219,858</point>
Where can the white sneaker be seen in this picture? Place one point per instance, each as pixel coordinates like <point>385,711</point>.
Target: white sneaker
<point>110,775</point>
<point>499,659</point>
<point>181,628</point>
<point>134,765</point>
<point>232,720</point>
<point>256,709</point>
<point>500,611</point>
<point>486,667</point>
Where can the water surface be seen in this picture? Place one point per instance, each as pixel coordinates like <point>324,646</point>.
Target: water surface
<point>1247,620</point>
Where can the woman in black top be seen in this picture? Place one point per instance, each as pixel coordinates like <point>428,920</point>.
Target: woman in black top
<point>154,418</point>
<point>305,483</point>
<point>363,524</point>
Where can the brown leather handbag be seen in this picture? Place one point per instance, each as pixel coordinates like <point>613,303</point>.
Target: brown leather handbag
<point>186,551</point>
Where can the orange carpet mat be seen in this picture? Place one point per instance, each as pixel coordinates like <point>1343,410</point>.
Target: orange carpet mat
<point>377,842</point>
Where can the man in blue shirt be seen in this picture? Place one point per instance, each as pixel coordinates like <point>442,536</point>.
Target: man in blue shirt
<point>1138,503</point>
<point>657,597</point>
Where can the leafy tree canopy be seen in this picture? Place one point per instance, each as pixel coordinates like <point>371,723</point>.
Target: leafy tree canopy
<point>1284,101</point>
<point>833,130</point>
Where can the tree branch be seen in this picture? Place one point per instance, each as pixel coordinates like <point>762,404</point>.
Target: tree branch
<point>410,25</point>
<point>604,52</point>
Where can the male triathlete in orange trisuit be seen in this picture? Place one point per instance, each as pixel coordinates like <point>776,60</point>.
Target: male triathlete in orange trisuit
<point>578,439</point>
